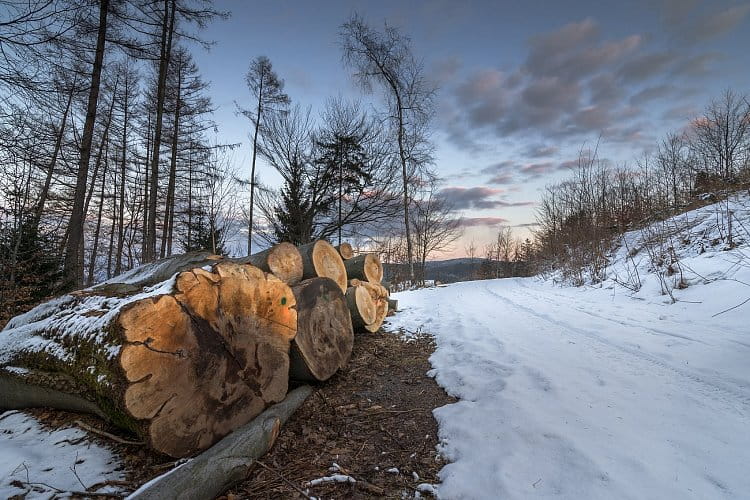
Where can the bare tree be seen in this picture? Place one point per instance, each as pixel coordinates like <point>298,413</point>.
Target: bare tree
<point>385,59</point>
<point>434,223</point>
<point>722,134</point>
<point>267,90</point>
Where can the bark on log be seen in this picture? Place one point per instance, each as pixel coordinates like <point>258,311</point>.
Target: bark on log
<point>180,364</point>
<point>325,338</point>
<point>361,306</point>
<point>365,267</point>
<point>345,250</point>
<point>321,259</point>
<point>282,260</point>
<point>225,463</point>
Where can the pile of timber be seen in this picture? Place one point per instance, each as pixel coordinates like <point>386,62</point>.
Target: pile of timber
<point>183,351</point>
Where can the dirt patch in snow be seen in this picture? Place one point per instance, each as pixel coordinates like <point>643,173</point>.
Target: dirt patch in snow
<point>372,422</point>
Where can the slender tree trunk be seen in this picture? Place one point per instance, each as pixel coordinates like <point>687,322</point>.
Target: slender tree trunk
<point>95,245</point>
<point>405,179</point>
<point>190,202</point>
<point>98,163</point>
<point>341,193</point>
<point>112,226</point>
<point>123,169</point>
<point>166,235</point>
<point>56,152</point>
<point>72,269</point>
<point>252,168</point>
<point>166,50</point>
<point>145,192</point>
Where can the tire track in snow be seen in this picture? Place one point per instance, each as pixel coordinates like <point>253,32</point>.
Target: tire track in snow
<point>738,395</point>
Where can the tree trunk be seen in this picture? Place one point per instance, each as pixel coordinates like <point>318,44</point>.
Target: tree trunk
<point>166,51</point>
<point>97,230</point>
<point>73,270</point>
<point>321,259</point>
<point>361,306</point>
<point>226,463</point>
<point>345,250</point>
<point>325,337</point>
<point>166,235</point>
<point>366,267</point>
<point>180,364</point>
<point>282,260</point>
<point>55,153</point>
<point>252,168</point>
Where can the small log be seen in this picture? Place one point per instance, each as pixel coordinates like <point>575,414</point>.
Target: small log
<point>325,338</point>
<point>361,306</point>
<point>392,305</point>
<point>282,260</point>
<point>365,267</point>
<point>180,364</point>
<point>226,463</point>
<point>345,250</point>
<point>321,259</point>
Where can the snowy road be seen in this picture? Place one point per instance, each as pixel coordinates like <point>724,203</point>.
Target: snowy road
<point>579,393</point>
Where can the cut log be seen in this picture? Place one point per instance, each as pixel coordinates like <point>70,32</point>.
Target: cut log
<point>381,312</point>
<point>392,305</point>
<point>361,306</point>
<point>321,259</point>
<point>282,260</point>
<point>180,364</point>
<point>325,338</point>
<point>226,463</point>
<point>366,267</point>
<point>346,251</point>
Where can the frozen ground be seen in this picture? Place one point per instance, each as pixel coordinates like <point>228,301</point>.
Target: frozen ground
<point>595,392</point>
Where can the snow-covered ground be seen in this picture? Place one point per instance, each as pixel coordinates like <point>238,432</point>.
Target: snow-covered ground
<point>39,463</point>
<point>597,392</point>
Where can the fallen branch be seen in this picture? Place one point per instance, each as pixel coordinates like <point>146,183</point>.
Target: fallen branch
<point>226,462</point>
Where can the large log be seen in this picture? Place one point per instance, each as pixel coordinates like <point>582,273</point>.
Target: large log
<point>321,259</point>
<point>180,364</point>
<point>325,338</point>
<point>366,267</point>
<point>283,260</point>
<point>225,463</point>
<point>361,306</point>
<point>379,297</point>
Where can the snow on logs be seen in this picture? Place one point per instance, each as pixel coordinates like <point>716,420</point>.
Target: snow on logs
<point>325,338</point>
<point>321,259</point>
<point>180,364</point>
<point>184,350</point>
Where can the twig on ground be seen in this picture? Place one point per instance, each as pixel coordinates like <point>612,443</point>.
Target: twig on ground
<point>289,483</point>
<point>106,434</point>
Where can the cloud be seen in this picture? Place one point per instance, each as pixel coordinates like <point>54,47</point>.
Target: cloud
<point>691,23</point>
<point>540,150</point>
<point>651,93</point>
<point>475,197</point>
<point>478,198</point>
<point>481,221</point>
<point>645,66</point>
<point>505,178</point>
<point>718,23</point>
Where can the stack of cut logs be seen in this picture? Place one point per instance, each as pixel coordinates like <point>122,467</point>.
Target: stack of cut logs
<point>184,350</point>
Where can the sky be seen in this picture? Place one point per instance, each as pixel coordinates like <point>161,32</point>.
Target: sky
<point>523,86</point>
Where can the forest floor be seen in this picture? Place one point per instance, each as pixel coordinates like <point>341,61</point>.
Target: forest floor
<point>372,422</point>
